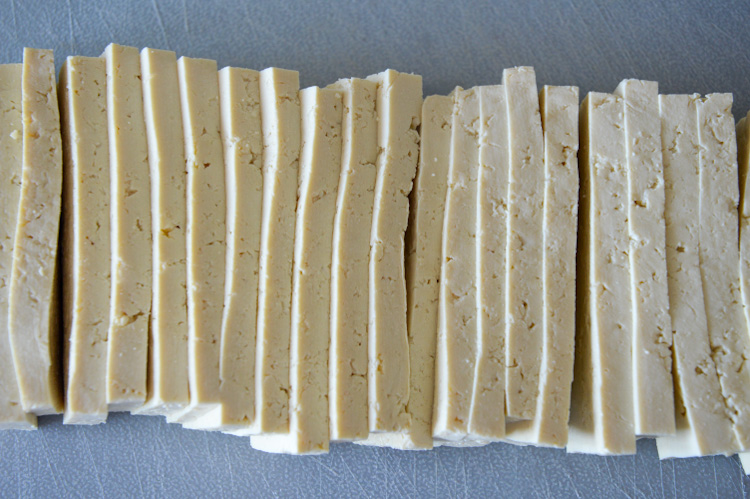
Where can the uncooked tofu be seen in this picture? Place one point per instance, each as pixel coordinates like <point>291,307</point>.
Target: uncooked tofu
<point>319,171</point>
<point>86,238</point>
<point>601,415</point>
<point>12,416</point>
<point>130,214</point>
<point>743,159</point>
<point>399,110</point>
<point>33,306</point>
<point>703,426</point>
<point>347,393</point>
<point>559,108</point>
<point>168,352</point>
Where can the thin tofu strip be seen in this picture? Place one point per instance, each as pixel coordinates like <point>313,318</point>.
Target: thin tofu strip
<point>743,158</point>
<point>33,304</point>
<point>347,392</point>
<point>399,109</point>
<point>703,426</point>
<point>167,367</point>
<point>559,107</point>
<point>206,234</point>
<point>319,171</point>
<point>130,207</point>
<point>12,416</point>
<point>601,419</point>
<point>86,258</point>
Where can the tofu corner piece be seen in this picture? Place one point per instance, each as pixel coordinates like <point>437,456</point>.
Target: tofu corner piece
<point>130,214</point>
<point>33,314</point>
<point>319,171</point>
<point>86,236</point>
<point>12,415</point>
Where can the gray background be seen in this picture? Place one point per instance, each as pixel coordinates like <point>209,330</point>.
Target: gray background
<point>695,46</point>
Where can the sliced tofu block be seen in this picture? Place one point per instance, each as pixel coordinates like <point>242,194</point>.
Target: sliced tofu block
<point>703,426</point>
<point>33,306</point>
<point>457,320</point>
<point>347,386</point>
<point>525,248</point>
<point>12,416</point>
<point>559,107</point>
<point>206,235</point>
<point>399,110</point>
<point>130,214</point>
<point>86,238</point>
<point>601,414</point>
<point>319,171</point>
<point>168,334</point>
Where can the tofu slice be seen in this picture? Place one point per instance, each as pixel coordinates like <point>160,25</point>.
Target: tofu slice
<point>12,416</point>
<point>653,391</point>
<point>130,214</point>
<point>399,109</point>
<point>743,159</point>
<point>347,387</point>
<point>601,415</point>
<point>559,108</point>
<point>525,248</point>
<point>319,172</point>
<point>206,235</point>
<point>703,426</point>
<point>33,306</point>
<point>86,238</point>
<point>168,334</point>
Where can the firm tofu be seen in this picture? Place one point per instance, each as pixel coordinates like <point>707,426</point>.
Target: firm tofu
<point>86,238</point>
<point>33,306</point>
<point>319,171</point>
<point>347,386</point>
<point>168,335</point>
<point>399,110</point>
<point>703,426</point>
<point>12,416</point>
<point>206,235</point>
<point>601,414</point>
<point>559,108</point>
<point>130,215</point>
<point>743,159</point>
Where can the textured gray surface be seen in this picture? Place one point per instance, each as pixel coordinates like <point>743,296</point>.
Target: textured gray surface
<point>696,46</point>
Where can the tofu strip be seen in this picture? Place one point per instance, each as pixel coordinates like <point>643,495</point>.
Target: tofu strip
<point>743,159</point>
<point>86,238</point>
<point>130,215</point>
<point>12,416</point>
<point>168,352</point>
<point>319,171</point>
<point>33,306</point>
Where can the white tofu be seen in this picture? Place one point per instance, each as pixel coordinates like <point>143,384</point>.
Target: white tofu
<point>12,416</point>
<point>86,238</point>
<point>168,352</point>
<point>319,171</point>
<point>743,159</point>
<point>399,109</point>
<point>601,415</point>
<point>33,305</point>
<point>559,108</point>
<point>703,426</point>
<point>347,386</point>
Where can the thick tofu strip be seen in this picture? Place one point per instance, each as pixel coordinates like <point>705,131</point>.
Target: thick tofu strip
<point>525,253</point>
<point>33,308</point>
<point>399,109</point>
<point>86,258</point>
<point>168,352</point>
<point>130,214</point>
<point>347,387</point>
<point>703,426</point>
<point>559,107</point>
<point>206,234</point>
<point>601,415</point>
<point>319,172</point>
<point>12,416</point>
<point>653,399</point>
